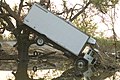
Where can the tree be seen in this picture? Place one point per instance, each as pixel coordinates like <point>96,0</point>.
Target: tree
<point>21,34</point>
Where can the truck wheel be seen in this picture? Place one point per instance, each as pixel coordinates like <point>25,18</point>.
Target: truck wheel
<point>81,63</point>
<point>40,41</point>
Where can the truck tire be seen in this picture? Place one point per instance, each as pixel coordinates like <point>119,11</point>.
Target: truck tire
<point>40,41</point>
<point>81,63</point>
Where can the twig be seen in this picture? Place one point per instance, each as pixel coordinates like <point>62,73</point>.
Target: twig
<point>80,11</point>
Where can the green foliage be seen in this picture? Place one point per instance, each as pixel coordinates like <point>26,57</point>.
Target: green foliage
<point>84,21</point>
<point>85,24</point>
<point>104,5</point>
<point>108,45</point>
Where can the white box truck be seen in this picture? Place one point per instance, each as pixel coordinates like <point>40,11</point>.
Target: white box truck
<point>61,34</point>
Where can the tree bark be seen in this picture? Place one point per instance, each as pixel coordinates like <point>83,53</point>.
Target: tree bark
<point>23,58</point>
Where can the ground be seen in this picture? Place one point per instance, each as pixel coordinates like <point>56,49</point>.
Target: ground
<point>108,64</point>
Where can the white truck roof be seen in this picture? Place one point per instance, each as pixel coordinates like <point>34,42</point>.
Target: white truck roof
<point>56,29</point>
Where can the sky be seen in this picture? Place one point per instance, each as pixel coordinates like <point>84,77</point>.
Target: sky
<point>101,27</point>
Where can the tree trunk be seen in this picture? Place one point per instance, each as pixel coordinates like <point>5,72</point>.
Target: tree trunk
<point>23,58</point>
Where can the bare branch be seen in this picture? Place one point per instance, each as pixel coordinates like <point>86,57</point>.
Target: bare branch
<point>48,4</point>
<point>27,4</point>
<point>11,26</point>
<point>3,15</point>
<point>80,11</point>
<point>11,12</point>
<point>2,29</point>
<point>45,3</point>
<point>60,13</point>
<point>20,7</point>
<point>73,9</point>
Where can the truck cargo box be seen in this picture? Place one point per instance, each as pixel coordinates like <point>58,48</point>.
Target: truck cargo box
<point>56,29</point>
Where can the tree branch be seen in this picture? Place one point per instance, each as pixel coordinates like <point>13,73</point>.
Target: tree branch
<point>11,26</point>
<point>2,29</point>
<point>48,4</point>
<point>45,3</point>
<point>5,17</point>
<point>12,13</point>
<point>20,7</point>
<point>74,17</point>
<point>72,9</point>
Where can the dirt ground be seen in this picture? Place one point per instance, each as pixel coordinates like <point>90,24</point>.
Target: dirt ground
<point>108,64</point>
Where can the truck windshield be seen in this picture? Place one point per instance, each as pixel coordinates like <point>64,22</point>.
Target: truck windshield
<point>88,51</point>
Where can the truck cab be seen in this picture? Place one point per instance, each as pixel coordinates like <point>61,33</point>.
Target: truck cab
<point>89,55</point>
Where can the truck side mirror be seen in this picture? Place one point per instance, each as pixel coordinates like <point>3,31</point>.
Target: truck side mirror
<point>91,41</point>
